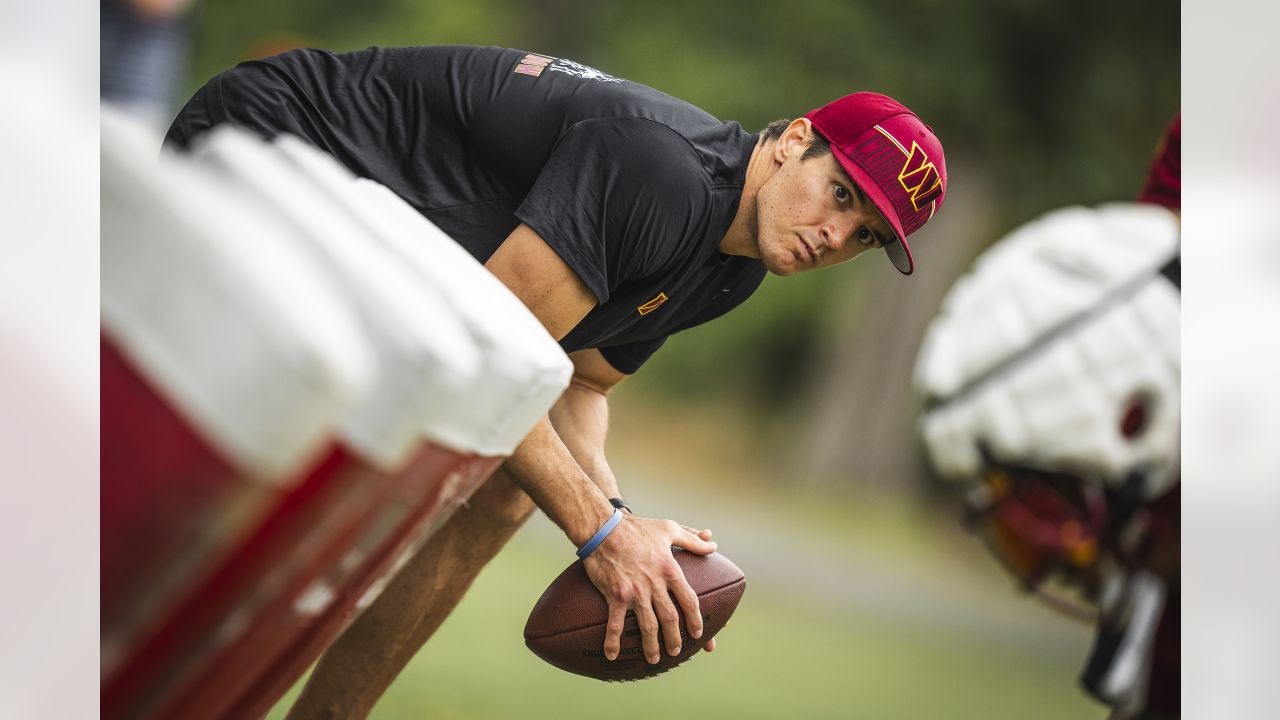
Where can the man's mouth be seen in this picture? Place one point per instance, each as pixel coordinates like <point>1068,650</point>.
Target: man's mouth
<point>809,252</point>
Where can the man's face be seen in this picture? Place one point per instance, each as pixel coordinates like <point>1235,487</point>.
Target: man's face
<point>809,214</point>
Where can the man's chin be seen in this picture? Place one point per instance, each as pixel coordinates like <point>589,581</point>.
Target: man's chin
<point>781,266</point>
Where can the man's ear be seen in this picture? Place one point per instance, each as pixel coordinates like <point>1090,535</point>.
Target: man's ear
<point>794,140</point>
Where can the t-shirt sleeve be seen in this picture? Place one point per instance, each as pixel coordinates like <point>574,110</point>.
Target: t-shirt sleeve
<point>617,200</point>
<point>629,357</point>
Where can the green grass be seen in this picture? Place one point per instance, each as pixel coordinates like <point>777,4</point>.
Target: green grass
<point>780,657</point>
<point>908,618</point>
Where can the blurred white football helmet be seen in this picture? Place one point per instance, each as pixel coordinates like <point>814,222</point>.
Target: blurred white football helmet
<point>1051,383</point>
<point>1051,380</point>
<point>1060,351</point>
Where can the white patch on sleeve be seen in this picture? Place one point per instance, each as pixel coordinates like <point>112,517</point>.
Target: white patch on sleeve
<point>569,67</point>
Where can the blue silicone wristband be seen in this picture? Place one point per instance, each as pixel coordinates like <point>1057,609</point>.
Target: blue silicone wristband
<point>601,534</point>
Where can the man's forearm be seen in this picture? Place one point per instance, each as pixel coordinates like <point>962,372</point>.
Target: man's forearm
<point>546,470</point>
<point>581,419</point>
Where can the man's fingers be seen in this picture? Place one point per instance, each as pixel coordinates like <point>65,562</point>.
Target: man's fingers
<point>694,543</point>
<point>669,619</point>
<point>648,632</point>
<point>688,600</point>
<point>704,534</point>
<point>711,642</point>
<point>613,631</point>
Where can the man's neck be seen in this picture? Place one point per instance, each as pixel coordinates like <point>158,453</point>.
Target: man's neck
<point>741,236</point>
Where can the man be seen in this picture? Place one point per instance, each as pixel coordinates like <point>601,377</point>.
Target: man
<point>618,215</point>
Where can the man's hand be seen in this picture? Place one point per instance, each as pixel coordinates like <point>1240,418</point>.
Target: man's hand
<point>634,569</point>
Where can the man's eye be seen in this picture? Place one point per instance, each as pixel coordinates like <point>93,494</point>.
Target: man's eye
<point>865,237</point>
<point>841,193</point>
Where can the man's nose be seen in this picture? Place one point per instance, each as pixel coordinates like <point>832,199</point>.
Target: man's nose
<point>835,234</point>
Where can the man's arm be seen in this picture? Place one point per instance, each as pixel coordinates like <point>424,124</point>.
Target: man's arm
<point>581,416</point>
<point>581,419</point>
<point>633,568</point>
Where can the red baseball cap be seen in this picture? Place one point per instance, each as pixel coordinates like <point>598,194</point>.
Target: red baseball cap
<point>895,159</point>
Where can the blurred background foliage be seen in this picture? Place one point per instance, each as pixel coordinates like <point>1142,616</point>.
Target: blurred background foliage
<point>789,424</point>
<point>1039,104</point>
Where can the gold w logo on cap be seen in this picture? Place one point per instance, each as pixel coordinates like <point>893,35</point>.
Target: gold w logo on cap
<point>652,305</point>
<point>920,178</point>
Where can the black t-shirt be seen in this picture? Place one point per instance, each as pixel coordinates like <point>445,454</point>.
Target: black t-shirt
<point>633,188</point>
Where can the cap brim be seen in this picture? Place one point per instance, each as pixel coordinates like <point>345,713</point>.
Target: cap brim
<point>896,248</point>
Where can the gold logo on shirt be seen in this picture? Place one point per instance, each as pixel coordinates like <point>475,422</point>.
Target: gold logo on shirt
<point>653,304</point>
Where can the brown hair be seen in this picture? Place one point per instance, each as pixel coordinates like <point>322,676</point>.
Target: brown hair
<point>818,144</point>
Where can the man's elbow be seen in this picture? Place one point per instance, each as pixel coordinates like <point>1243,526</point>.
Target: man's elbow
<point>587,384</point>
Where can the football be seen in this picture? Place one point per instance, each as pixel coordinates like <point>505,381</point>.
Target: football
<point>566,627</point>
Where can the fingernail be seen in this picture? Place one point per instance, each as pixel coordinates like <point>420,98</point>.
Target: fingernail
<point>697,633</point>
<point>653,660</point>
<point>676,651</point>
<point>611,656</point>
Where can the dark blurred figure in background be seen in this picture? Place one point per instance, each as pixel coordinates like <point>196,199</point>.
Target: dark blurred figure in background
<point>1052,388</point>
<point>1164,180</point>
<point>144,56</point>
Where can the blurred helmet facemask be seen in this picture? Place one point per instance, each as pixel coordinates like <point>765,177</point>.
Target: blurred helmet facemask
<point>1058,534</point>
